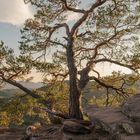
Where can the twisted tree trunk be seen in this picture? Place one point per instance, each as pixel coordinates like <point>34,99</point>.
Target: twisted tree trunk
<point>74,98</point>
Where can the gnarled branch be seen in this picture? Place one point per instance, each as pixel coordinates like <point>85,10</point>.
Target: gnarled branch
<point>86,14</point>
<point>118,90</point>
<point>114,62</point>
<point>34,95</point>
<point>65,5</point>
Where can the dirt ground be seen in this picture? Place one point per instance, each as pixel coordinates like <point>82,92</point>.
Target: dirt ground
<point>18,133</point>
<point>51,133</point>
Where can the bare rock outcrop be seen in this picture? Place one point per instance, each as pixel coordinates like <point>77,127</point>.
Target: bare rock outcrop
<point>76,127</point>
<point>131,108</point>
<point>123,122</point>
<point>107,118</point>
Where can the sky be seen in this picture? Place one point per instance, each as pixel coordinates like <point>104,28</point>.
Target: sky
<point>13,14</point>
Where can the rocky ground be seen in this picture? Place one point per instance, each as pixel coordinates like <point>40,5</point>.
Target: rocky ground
<point>44,134</point>
<point>106,123</point>
<point>19,133</point>
<point>123,122</point>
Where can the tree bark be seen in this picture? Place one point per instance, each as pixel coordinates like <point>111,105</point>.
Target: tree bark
<point>74,99</point>
<point>75,92</point>
<point>74,103</point>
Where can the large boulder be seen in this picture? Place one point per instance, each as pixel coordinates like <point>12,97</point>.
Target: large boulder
<point>131,108</point>
<point>75,127</point>
<point>124,121</point>
<point>107,118</point>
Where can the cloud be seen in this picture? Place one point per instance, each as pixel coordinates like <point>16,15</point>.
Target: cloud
<point>14,12</point>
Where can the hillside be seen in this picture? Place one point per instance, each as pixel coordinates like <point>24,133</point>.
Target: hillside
<point>30,85</point>
<point>90,91</point>
<point>8,90</point>
<point>7,93</point>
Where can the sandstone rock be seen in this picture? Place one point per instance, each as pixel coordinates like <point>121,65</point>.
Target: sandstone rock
<point>128,128</point>
<point>132,108</point>
<point>122,121</point>
<point>74,127</point>
<point>106,117</point>
<point>131,128</point>
<point>131,137</point>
